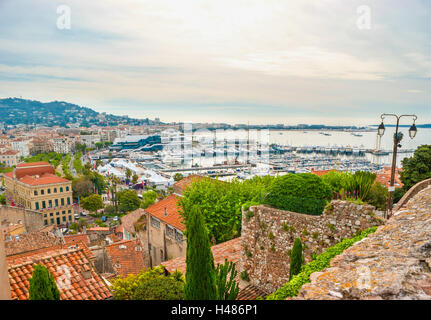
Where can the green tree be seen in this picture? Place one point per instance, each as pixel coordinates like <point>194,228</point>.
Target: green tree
<point>227,286</point>
<point>128,173</point>
<point>2,199</point>
<point>178,176</point>
<point>153,284</point>
<point>42,285</point>
<point>135,178</point>
<point>148,198</point>
<point>416,168</point>
<point>128,200</point>
<point>296,258</point>
<point>92,203</point>
<point>200,272</point>
<point>304,193</point>
<point>378,196</point>
<point>82,187</point>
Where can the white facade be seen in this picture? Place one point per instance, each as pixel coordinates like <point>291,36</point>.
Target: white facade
<point>63,145</point>
<point>21,146</point>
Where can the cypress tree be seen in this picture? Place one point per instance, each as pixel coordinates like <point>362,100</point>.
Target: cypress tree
<point>200,272</point>
<point>42,285</point>
<point>296,258</point>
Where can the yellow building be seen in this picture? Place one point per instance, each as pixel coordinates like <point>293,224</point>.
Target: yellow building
<point>35,186</point>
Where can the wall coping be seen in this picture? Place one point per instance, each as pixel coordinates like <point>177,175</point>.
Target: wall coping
<point>411,193</point>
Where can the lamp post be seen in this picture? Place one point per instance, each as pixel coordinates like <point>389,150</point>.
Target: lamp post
<point>398,136</point>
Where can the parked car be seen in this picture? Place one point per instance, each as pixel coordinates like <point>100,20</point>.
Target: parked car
<point>104,218</point>
<point>115,218</point>
<point>83,213</point>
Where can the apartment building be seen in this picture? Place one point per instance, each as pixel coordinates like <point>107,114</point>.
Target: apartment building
<point>35,186</point>
<point>63,144</point>
<point>22,146</point>
<point>9,158</point>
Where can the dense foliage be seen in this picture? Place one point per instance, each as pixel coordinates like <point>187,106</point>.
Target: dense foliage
<point>303,193</point>
<point>350,185</point>
<point>42,285</point>
<point>52,158</point>
<point>416,168</point>
<point>200,272</point>
<point>148,198</point>
<point>92,203</point>
<point>321,262</point>
<point>227,286</point>
<point>153,284</point>
<point>220,203</point>
<point>128,200</point>
<point>378,196</point>
<point>296,258</point>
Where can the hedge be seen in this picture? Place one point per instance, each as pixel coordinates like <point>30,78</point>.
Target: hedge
<point>303,193</point>
<point>321,262</point>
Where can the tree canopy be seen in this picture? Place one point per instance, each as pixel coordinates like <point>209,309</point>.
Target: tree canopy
<point>42,285</point>
<point>416,168</point>
<point>128,200</point>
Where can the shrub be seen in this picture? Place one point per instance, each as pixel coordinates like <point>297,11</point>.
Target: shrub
<point>378,196</point>
<point>291,289</point>
<point>244,276</point>
<point>296,258</point>
<point>227,289</point>
<point>303,193</point>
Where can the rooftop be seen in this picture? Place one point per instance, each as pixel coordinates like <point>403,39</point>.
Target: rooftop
<point>230,250</point>
<point>167,211</point>
<point>127,257</point>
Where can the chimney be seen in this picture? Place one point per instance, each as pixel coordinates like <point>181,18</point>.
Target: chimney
<point>166,212</point>
<point>4,276</point>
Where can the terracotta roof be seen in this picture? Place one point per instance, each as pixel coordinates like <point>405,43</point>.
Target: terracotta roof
<point>321,172</point>
<point>181,185</point>
<point>127,257</point>
<point>46,178</point>
<point>167,210</point>
<point>76,279</point>
<point>9,152</point>
<point>129,220</point>
<point>250,293</point>
<point>32,164</point>
<point>384,177</point>
<point>230,250</point>
<point>31,242</point>
<point>74,238</point>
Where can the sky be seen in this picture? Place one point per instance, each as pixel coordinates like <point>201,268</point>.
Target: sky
<point>332,62</point>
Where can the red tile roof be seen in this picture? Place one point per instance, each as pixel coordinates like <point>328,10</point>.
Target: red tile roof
<point>250,293</point>
<point>230,250</point>
<point>75,277</point>
<point>31,242</point>
<point>321,172</point>
<point>32,164</point>
<point>9,152</point>
<point>75,238</point>
<point>127,257</point>
<point>46,178</point>
<point>181,185</point>
<point>384,177</point>
<point>167,210</point>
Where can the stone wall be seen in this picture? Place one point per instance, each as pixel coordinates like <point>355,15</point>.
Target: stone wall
<point>268,235</point>
<point>394,263</point>
<point>4,277</point>
<point>32,220</point>
<point>411,193</point>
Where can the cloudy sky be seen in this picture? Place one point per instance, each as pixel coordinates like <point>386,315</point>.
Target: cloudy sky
<point>262,61</point>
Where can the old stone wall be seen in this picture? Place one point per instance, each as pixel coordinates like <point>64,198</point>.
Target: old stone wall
<point>268,235</point>
<point>32,220</point>
<point>391,264</point>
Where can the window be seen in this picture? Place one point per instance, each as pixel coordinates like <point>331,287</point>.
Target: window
<point>179,236</point>
<point>55,190</point>
<point>155,222</point>
<point>45,222</point>
<point>70,218</point>
<point>62,201</point>
<point>52,221</point>
<point>43,204</point>
<point>170,232</point>
<point>35,192</point>
<point>57,213</point>
<point>51,214</point>
<point>58,220</point>
<point>56,202</point>
<point>61,189</point>
<point>63,212</point>
<point>49,191</point>
<point>68,200</point>
<point>50,203</point>
<point>64,219</point>
<point>44,215</point>
<point>37,205</point>
<point>69,211</point>
<point>67,188</point>
<point>42,191</point>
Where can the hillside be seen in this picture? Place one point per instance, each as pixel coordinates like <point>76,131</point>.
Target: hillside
<point>16,111</point>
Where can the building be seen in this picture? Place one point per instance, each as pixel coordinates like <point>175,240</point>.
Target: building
<point>63,144</point>
<point>35,186</point>
<point>384,177</point>
<point>181,186</point>
<point>145,143</point>
<point>126,257</point>
<point>22,146</point>
<point>39,145</point>
<point>90,140</point>
<point>9,158</point>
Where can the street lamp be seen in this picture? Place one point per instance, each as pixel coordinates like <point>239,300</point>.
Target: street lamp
<point>398,136</point>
